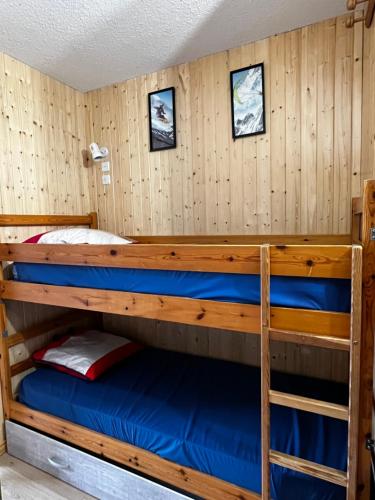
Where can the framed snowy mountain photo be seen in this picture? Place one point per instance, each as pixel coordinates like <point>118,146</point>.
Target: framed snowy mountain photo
<point>162,119</point>
<point>247,100</point>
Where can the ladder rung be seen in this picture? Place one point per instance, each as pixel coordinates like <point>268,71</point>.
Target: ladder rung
<point>310,339</point>
<point>308,404</point>
<point>329,474</point>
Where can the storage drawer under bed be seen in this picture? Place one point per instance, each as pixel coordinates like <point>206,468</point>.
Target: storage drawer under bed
<point>92,475</point>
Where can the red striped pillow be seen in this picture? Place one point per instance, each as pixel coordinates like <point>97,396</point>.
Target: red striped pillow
<point>88,354</point>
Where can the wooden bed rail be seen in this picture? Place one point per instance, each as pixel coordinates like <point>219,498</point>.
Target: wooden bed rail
<point>325,261</point>
<point>90,220</point>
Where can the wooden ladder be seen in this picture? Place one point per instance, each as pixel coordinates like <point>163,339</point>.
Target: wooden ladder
<point>348,413</point>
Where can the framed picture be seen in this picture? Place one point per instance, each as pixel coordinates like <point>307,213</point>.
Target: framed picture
<point>247,100</point>
<point>162,119</point>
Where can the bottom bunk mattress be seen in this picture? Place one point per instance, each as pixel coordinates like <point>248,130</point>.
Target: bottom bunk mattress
<point>201,413</point>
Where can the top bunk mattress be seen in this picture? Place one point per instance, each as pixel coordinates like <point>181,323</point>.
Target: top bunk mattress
<point>201,413</point>
<point>302,293</point>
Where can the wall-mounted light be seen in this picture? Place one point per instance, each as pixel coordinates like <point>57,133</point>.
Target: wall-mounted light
<point>98,153</point>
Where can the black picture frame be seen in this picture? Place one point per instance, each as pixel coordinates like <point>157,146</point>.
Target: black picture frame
<point>160,137</point>
<point>260,123</point>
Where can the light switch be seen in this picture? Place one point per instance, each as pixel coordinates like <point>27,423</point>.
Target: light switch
<point>105,166</point>
<point>106,179</point>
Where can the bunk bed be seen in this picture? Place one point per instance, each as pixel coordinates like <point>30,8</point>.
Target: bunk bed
<point>313,290</point>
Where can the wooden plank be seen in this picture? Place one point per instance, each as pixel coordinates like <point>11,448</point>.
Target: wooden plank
<point>5,379</point>
<point>329,474</point>
<point>308,339</point>
<point>143,461</point>
<point>45,220</point>
<point>333,410</point>
<point>21,366</point>
<point>61,321</point>
<point>265,370</point>
<point>311,322</point>
<point>93,220</point>
<point>242,259</point>
<point>367,340</point>
<point>312,262</point>
<point>357,205</point>
<point>226,315</point>
<point>354,371</point>
<point>370,13</point>
<point>248,239</point>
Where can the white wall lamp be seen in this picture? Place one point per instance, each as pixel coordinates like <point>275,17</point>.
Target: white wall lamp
<point>98,153</point>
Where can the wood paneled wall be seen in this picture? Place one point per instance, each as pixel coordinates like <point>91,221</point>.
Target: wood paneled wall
<point>299,177</point>
<point>42,134</point>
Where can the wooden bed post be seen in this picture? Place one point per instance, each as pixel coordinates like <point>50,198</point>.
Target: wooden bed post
<point>265,369</point>
<point>6,387</point>
<point>367,339</point>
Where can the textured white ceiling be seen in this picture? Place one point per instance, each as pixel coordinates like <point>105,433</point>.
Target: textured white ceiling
<point>92,43</point>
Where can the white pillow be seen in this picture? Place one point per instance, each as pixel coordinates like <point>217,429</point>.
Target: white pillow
<point>81,236</point>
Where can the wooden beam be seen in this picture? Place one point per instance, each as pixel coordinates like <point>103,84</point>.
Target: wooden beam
<point>367,340</point>
<point>247,239</point>
<point>21,366</point>
<point>311,322</point>
<point>311,405</point>
<point>61,321</point>
<point>145,462</point>
<point>93,220</point>
<point>354,371</point>
<point>311,262</point>
<point>329,474</point>
<point>297,260</point>
<point>226,315</point>
<point>242,259</point>
<point>357,205</point>
<point>265,370</point>
<point>6,384</point>
<point>370,13</point>
<point>45,220</point>
<point>308,339</point>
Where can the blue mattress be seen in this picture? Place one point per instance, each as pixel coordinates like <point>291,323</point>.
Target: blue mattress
<point>201,413</point>
<point>305,293</point>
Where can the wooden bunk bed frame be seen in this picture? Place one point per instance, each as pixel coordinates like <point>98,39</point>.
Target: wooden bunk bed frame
<point>344,256</point>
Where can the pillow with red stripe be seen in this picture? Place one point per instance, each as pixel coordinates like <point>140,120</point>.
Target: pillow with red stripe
<point>34,239</point>
<point>87,354</point>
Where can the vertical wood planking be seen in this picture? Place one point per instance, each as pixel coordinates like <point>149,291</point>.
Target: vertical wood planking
<point>277,131</point>
<point>42,132</point>
<point>295,178</point>
<point>343,126</point>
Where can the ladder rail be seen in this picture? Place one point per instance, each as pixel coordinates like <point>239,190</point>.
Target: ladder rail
<point>347,479</point>
<point>265,370</point>
<point>354,371</point>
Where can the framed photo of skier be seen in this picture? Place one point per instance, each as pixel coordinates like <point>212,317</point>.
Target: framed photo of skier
<point>247,101</point>
<point>162,119</point>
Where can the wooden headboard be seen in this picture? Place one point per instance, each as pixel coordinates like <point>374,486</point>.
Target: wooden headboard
<point>90,220</point>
